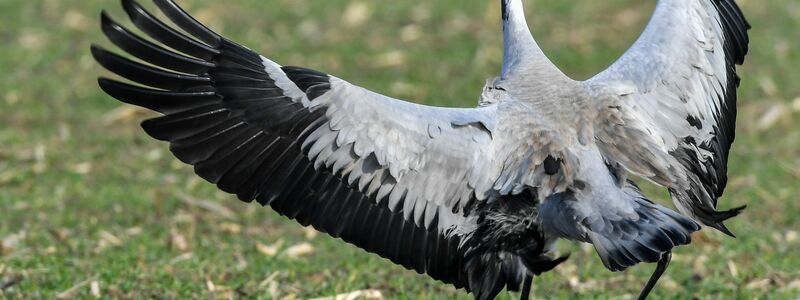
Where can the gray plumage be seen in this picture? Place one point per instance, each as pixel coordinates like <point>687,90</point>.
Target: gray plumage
<point>471,196</point>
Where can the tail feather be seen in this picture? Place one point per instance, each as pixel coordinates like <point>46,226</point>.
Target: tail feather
<point>491,272</point>
<point>625,228</point>
<point>658,231</point>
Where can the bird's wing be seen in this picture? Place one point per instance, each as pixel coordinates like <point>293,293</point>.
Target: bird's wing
<point>676,88</point>
<point>389,176</point>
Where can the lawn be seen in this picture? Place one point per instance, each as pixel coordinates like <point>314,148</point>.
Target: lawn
<point>92,207</point>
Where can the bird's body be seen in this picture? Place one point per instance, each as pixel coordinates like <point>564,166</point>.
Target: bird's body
<point>475,197</point>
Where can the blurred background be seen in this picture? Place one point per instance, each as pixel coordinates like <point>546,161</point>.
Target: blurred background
<point>92,207</point>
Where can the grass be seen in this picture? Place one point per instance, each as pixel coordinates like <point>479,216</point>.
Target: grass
<point>90,206</point>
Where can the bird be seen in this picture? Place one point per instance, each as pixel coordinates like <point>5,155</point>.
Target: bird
<point>475,197</point>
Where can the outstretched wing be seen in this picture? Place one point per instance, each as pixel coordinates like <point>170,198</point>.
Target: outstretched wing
<point>678,85</point>
<point>392,177</point>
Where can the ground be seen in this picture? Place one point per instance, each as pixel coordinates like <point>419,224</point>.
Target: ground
<point>92,207</point>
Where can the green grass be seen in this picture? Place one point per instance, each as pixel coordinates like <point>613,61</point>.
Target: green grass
<point>86,196</point>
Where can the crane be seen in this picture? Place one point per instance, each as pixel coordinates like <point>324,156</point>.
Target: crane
<point>474,197</point>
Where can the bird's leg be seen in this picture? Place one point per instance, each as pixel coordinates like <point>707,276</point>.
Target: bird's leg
<point>526,287</point>
<point>663,263</point>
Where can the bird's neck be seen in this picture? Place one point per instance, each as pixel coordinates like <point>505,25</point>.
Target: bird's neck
<point>521,52</point>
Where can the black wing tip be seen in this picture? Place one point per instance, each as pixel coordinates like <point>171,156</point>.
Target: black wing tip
<point>106,21</point>
<point>134,9</point>
<point>110,27</point>
<point>136,12</point>
<point>117,89</point>
<point>106,83</point>
<point>97,51</point>
<point>185,21</point>
<point>130,4</point>
<point>102,56</point>
<point>150,128</point>
<point>720,217</point>
<point>735,26</point>
<point>724,229</point>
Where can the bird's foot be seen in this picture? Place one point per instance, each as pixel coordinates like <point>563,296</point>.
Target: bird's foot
<point>526,287</point>
<point>663,263</point>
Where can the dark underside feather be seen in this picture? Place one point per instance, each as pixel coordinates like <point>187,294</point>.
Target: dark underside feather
<point>506,242</point>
